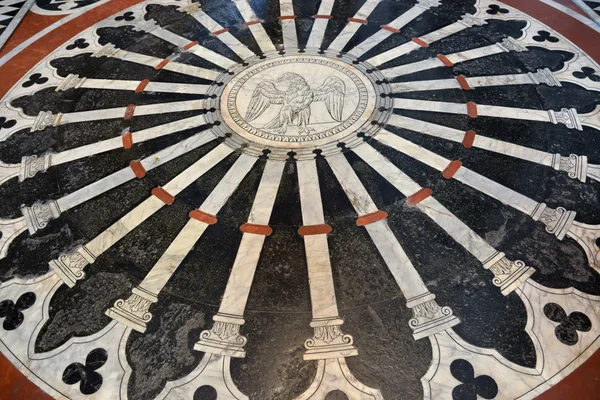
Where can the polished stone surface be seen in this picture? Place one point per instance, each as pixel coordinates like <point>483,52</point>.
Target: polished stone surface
<point>302,200</point>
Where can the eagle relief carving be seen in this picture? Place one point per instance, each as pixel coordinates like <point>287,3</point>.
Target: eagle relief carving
<point>295,101</point>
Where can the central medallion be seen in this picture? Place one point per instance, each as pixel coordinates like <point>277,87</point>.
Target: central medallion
<point>298,101</point>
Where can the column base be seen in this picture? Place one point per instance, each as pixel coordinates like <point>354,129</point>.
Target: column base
<point>69,266</point>
<point>132,312</point>
<point>329,342</point>
<point>223,338</point>
<point>429,318</point>
<point>508,275</point>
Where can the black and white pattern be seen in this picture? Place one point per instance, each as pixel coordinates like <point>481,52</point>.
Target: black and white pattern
<point>434,235</point>
<point>11,14</point>
<point>591,8</point>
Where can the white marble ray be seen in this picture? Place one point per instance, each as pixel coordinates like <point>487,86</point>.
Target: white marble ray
<point>508,275</point>
<point>329,345</point>
<point>31,165</point>
<point>288,25</point>
<point>415,11</point>
<point>506,45</point>
<point>159,87</point>
<point>41,213</point>
<point>575,166</point>
<point>70,271</point>
<point>567,117</point>
<point>317,33</point>
<point>125,311</point>
<point>559,221</point>
<point>542,76</point>
<point>255,25</point>
<point>217,346</point>
<point>352,27</point>
<point>171,64</point>
<point>466,22</point>
<point>217,30</point>
<point>408,279</point>
<point>152,28</point>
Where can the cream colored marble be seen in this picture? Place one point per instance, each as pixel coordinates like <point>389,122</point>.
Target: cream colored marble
<point>317,33</point>
<point>288,26</point>
<point>351,27</point>
<point>398,23</point>
<point>258,31</point>
<point>213,26</point>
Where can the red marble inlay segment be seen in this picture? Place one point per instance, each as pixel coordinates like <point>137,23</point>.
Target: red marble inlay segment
<point>371,218</point>
<point>163,195</point>
<point>390,28</point>
<point>142,86</point>
<point>323,16</point>
<point>358,20</point>
<point>462,81</point>
<point>256,21</point>
<point>256,229</point>
<point>472,109</point>
<point>190,45</point>
<point>420,42</point>
<point>286,17</point>
<point>451,169</point>
<point>469,138</point>
<point>202,216</point>
<point>129,111</point>
<point>445,60</point>
<point>309,230</point>
<point>162,64</point>
<point>127,140</point>
<point>138,169</point>
<point>217,33</point>
<point>418,196</point>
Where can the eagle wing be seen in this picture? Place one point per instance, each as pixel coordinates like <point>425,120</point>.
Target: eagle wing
<point>263,96</point>
<point>332,92</point>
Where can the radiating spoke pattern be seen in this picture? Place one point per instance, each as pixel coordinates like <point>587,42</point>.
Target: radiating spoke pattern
<point>234,198</point>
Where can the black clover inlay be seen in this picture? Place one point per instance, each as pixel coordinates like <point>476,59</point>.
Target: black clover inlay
<point>78,44</point>
<point>90,380</point>
<point>494,9</point>
<point>543,36</point>
<point>568,325</point>
<point>587,73</point>
<point>12,312</point>
<point>471,386</point>
<point>35,79</point>
<point>205,392</point>
<point>128,16</point>
<point>7,123</point>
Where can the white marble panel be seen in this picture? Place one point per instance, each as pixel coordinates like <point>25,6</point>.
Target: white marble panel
<point>406,69</point>
<point>310,193</point>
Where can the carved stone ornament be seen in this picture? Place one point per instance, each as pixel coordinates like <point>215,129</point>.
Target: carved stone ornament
<point>429,318</point>
<point>508,275</point>
<point>510,44</point>
<point>40,214</point>
<point>31,165</point>
<point>329,341</point>
<point>567,117</point>
<point>557,220</point>
<point>133,312</point>
<point>223,338</point>
<point>470,20</point>
<point>544,76</point>
<point>45,119</point>
<point>575,166</point>
<point>72,81</point>
<point>70,266</point>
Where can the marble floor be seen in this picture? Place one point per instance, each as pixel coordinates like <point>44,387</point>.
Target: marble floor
<point>298,199</point>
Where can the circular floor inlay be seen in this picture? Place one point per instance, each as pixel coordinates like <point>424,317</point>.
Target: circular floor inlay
<point>302,200</point>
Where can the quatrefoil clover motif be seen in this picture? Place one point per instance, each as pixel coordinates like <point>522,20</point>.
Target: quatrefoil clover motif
<point>86,375</point>
<point>7,123</point>
<point>568,325</point>
<point>587,73</point>
<point>13,312</point>
<point>543,36</point>
<point>472,387</point>
<point>78,44</point>
<point>494,9</point>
